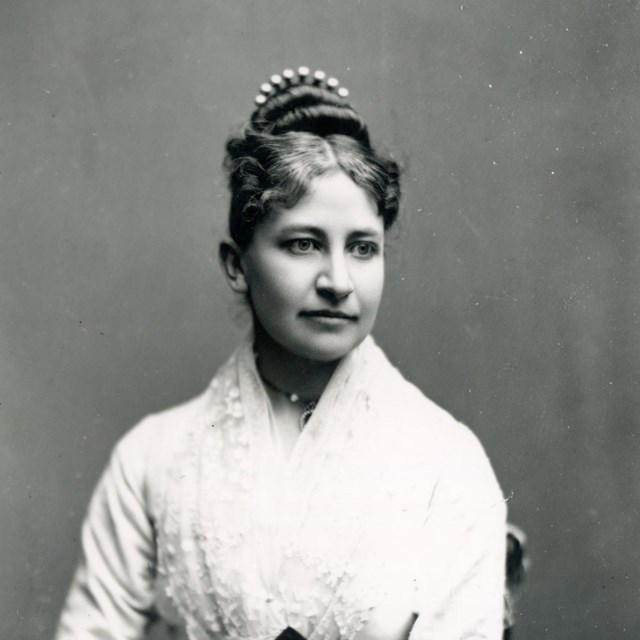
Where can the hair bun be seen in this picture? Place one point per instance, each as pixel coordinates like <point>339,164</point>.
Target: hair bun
<point>319,108</point>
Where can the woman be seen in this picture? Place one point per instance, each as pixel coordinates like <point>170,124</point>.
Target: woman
<point>310,490</point>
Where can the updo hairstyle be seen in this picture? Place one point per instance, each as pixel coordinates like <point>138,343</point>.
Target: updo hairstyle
<point>299,133</point>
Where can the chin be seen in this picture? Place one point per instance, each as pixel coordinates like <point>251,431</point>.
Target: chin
<point>324,350</point>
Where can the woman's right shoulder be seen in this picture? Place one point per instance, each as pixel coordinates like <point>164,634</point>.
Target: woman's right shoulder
<point>153,441</point>
<point>156,443</point>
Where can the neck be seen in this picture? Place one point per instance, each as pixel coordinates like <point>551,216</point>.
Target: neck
<point>288,372</point>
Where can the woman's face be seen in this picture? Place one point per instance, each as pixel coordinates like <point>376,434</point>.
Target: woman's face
<point>315,272</point>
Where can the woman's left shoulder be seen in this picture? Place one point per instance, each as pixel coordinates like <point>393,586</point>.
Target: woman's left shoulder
<point>423,428</point>
<point>402,404</point>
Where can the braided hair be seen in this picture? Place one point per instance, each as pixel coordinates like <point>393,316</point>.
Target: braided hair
<point>297,134</point>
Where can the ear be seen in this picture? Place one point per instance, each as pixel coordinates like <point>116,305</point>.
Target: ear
<point>231,262</point>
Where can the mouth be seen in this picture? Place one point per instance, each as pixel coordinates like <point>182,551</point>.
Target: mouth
<point>330,315</point>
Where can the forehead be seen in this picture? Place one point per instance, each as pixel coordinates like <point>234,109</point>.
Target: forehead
<point>334,203</point>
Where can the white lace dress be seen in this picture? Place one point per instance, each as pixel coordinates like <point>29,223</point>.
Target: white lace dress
<point>386,512</point>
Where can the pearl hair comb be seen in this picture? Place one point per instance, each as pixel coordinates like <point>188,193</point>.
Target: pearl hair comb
<point>279,82</point>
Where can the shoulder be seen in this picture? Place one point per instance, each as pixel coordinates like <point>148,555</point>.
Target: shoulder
<point>163,428</point>
<point>402,405</point>
<point>430,436</point>
<point>164,431</point>
<point>465,486</point>
<point>157,444</point>
<point>143,455</point>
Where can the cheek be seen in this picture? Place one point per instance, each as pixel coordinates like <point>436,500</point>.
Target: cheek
<point>371,287</point>
<point>277,286</point>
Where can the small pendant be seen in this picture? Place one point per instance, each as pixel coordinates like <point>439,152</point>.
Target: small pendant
<point>306,414</point>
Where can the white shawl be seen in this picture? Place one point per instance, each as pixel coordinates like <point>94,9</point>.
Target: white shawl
<point>386,506</point>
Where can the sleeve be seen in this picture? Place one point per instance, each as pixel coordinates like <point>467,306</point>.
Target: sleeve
<point>462,566</point>
<point>111,595</point>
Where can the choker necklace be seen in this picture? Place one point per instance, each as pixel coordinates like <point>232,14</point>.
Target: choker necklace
<point>294,398</point>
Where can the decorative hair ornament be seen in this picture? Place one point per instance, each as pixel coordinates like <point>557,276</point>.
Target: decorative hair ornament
<point>318,77</point>
<point>289,77</point>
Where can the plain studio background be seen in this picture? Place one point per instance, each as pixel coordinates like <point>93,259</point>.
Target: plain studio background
<point>512,290</point>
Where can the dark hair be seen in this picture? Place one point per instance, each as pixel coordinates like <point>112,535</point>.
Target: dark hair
<point>299,134</point>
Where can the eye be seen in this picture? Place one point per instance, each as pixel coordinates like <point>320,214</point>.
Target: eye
<point>301,246</point>
<point>364,250</point>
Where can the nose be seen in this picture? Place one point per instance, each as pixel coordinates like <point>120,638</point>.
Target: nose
<point>334,280</point>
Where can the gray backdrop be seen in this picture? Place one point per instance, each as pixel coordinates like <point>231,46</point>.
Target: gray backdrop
<point>512,293</point>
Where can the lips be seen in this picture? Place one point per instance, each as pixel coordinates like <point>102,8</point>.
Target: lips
<point>328,313</point>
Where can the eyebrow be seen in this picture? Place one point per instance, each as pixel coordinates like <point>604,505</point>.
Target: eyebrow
<point>295,228</point>
<point>367,232</point>
<point>318,231</point>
